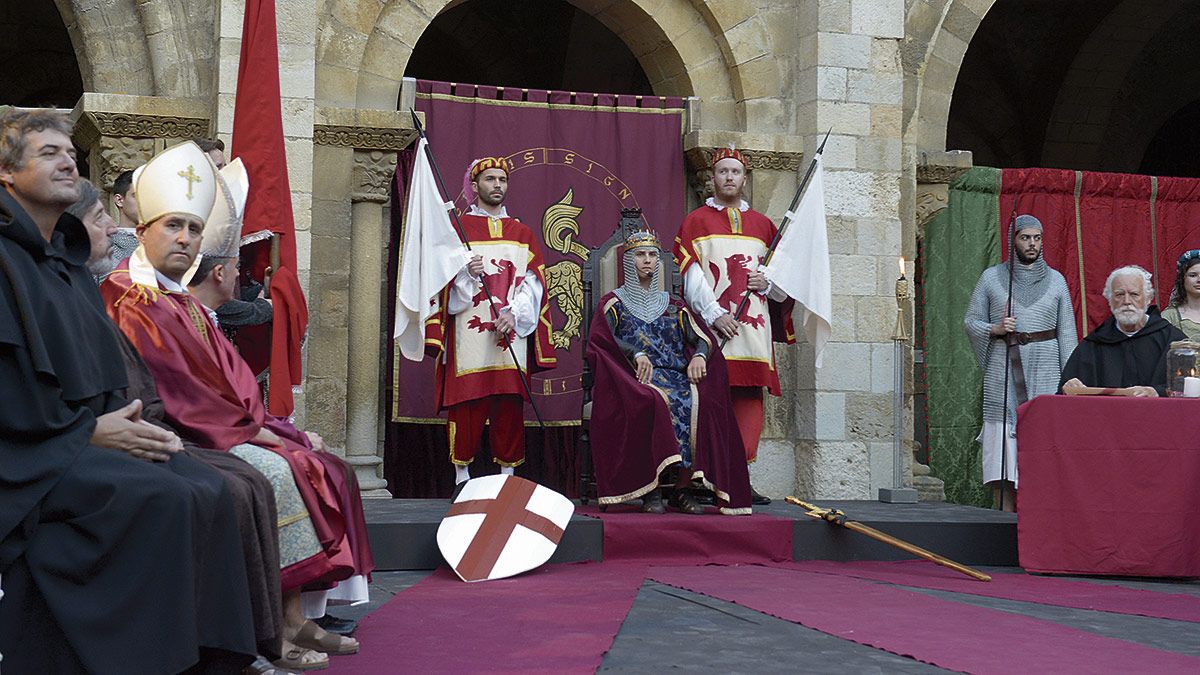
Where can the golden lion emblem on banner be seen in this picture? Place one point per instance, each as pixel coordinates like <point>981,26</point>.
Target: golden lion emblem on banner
<point>564,279</point>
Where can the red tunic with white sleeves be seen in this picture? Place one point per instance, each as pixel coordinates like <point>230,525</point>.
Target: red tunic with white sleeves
<point>726,245</point>
<point>473,360</point>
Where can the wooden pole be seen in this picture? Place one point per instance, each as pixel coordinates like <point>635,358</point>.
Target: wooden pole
<point>838,518</point>
<point>274,260</point>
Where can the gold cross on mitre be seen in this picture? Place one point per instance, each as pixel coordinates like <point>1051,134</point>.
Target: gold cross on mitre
<point>191,177</point>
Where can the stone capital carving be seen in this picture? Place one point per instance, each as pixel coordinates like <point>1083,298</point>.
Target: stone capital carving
<point>363,138</point>
<point>931,198</point>
<point>371,180</point>
<point>770,160</point>
<point>939,173</point>
<point>113,155</point>
<point>93,125</point>
<point>121,131</point>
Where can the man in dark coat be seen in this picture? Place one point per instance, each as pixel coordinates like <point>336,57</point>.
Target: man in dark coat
<point>1129,349</point>
<point>117,553</point>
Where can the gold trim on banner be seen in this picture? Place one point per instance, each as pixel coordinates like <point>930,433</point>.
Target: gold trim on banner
<point>550,106</point>
<point>1154,229</point>
<point>1079,250</point>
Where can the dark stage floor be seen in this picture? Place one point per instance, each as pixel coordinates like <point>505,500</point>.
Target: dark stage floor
<point>403,532</point>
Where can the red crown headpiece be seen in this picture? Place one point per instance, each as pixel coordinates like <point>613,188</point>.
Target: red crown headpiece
<point>486,163</point>
<point>728,153</point>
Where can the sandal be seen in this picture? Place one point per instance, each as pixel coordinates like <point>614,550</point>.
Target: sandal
<point>312,636</point>
<point>296,657</point>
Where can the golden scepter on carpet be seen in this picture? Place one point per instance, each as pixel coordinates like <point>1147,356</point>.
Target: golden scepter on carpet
<point>836,517</point>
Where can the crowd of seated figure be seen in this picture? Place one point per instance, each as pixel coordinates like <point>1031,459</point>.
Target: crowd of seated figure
<point>155,517</point>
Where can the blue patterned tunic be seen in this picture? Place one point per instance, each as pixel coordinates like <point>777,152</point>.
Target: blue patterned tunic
<point>663,341</point>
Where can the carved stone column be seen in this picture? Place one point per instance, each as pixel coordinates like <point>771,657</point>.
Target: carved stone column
<point>375,137</point>
<point>121,132</point>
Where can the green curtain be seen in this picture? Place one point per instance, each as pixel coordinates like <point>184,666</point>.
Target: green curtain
<point>960,242</point>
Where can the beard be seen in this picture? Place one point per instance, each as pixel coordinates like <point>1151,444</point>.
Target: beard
<point>491,198</point>
<point>1128,316</point>
<point>100,267</point>
<point>1028,257</point>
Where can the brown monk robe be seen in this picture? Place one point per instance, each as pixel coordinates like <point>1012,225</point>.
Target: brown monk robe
<point>254,500</point>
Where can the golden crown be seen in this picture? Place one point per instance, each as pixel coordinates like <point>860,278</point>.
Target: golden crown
<point>642,238</point>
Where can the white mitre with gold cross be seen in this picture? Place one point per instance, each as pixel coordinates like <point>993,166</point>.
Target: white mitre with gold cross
<point>180,179</point>
<point>223,231</point>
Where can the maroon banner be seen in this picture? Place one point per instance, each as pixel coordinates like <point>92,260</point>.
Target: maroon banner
<point>577,160</point>
<point>1096,222</point>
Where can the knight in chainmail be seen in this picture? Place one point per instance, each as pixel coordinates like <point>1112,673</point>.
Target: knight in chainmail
<point>1032,342</point>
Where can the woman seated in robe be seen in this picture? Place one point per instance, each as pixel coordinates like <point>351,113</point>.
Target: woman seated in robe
<point>660,396</point>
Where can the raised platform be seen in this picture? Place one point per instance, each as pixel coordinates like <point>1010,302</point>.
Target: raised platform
<point>403,532</point>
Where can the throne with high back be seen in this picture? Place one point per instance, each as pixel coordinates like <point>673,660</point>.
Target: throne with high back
<point>602,272</point>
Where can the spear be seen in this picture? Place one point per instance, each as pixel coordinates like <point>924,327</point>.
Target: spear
<point>812,167</point>
<point>835,517</point>
<point>462,236</point>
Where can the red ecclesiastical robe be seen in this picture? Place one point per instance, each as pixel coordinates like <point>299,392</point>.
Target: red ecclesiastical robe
<point>212,399</point>
<point>472,362</point>
<point>727,245</point>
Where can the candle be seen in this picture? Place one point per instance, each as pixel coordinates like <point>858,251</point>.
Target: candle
<point>901,267</point>
<point>1191,387</point>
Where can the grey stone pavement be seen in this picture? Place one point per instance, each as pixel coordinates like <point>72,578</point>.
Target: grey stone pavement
<point>672,629</point>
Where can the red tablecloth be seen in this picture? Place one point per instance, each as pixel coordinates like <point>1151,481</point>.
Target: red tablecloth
<point>1109,485</point>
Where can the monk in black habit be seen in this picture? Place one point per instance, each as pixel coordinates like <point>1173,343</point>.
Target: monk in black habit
<point>1130,348</point>
<point>117,553</point>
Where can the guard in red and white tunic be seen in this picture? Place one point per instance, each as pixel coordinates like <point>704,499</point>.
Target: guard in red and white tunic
<point>477,379</point>
<point>718,249</point>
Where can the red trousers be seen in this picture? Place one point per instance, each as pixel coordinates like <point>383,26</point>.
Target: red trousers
<point>466,423</point>
<point>748,408</point>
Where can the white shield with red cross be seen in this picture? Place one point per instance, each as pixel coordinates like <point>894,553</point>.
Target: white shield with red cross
<point>500,526</point>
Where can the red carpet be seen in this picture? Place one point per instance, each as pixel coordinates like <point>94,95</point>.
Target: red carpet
<point>558,619</point>
<point>1022,587</point>
<point>941,632</point>
<point>712,538</point>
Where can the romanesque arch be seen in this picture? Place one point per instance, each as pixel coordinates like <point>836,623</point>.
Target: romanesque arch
<point>720,53</point>
<point>938,34</point>
<point>160,48</point>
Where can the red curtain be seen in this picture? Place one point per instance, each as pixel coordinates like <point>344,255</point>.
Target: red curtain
<point>1095,222</point>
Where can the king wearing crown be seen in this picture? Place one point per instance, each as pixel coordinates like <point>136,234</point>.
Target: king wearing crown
<point>661,395</point>
<point>719,249</point>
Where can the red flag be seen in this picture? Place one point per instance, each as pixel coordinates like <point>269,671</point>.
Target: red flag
<point>258,140</point>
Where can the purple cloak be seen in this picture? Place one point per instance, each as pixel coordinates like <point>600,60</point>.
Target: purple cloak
<point>631,433</point>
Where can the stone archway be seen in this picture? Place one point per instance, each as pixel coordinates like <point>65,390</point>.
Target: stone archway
<point>146,48</point>
<point>938,34</point>
<point>721,54</point>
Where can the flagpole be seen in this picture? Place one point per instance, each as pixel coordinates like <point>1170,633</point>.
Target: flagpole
<point>458,229</point>
<point>812,167</point>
